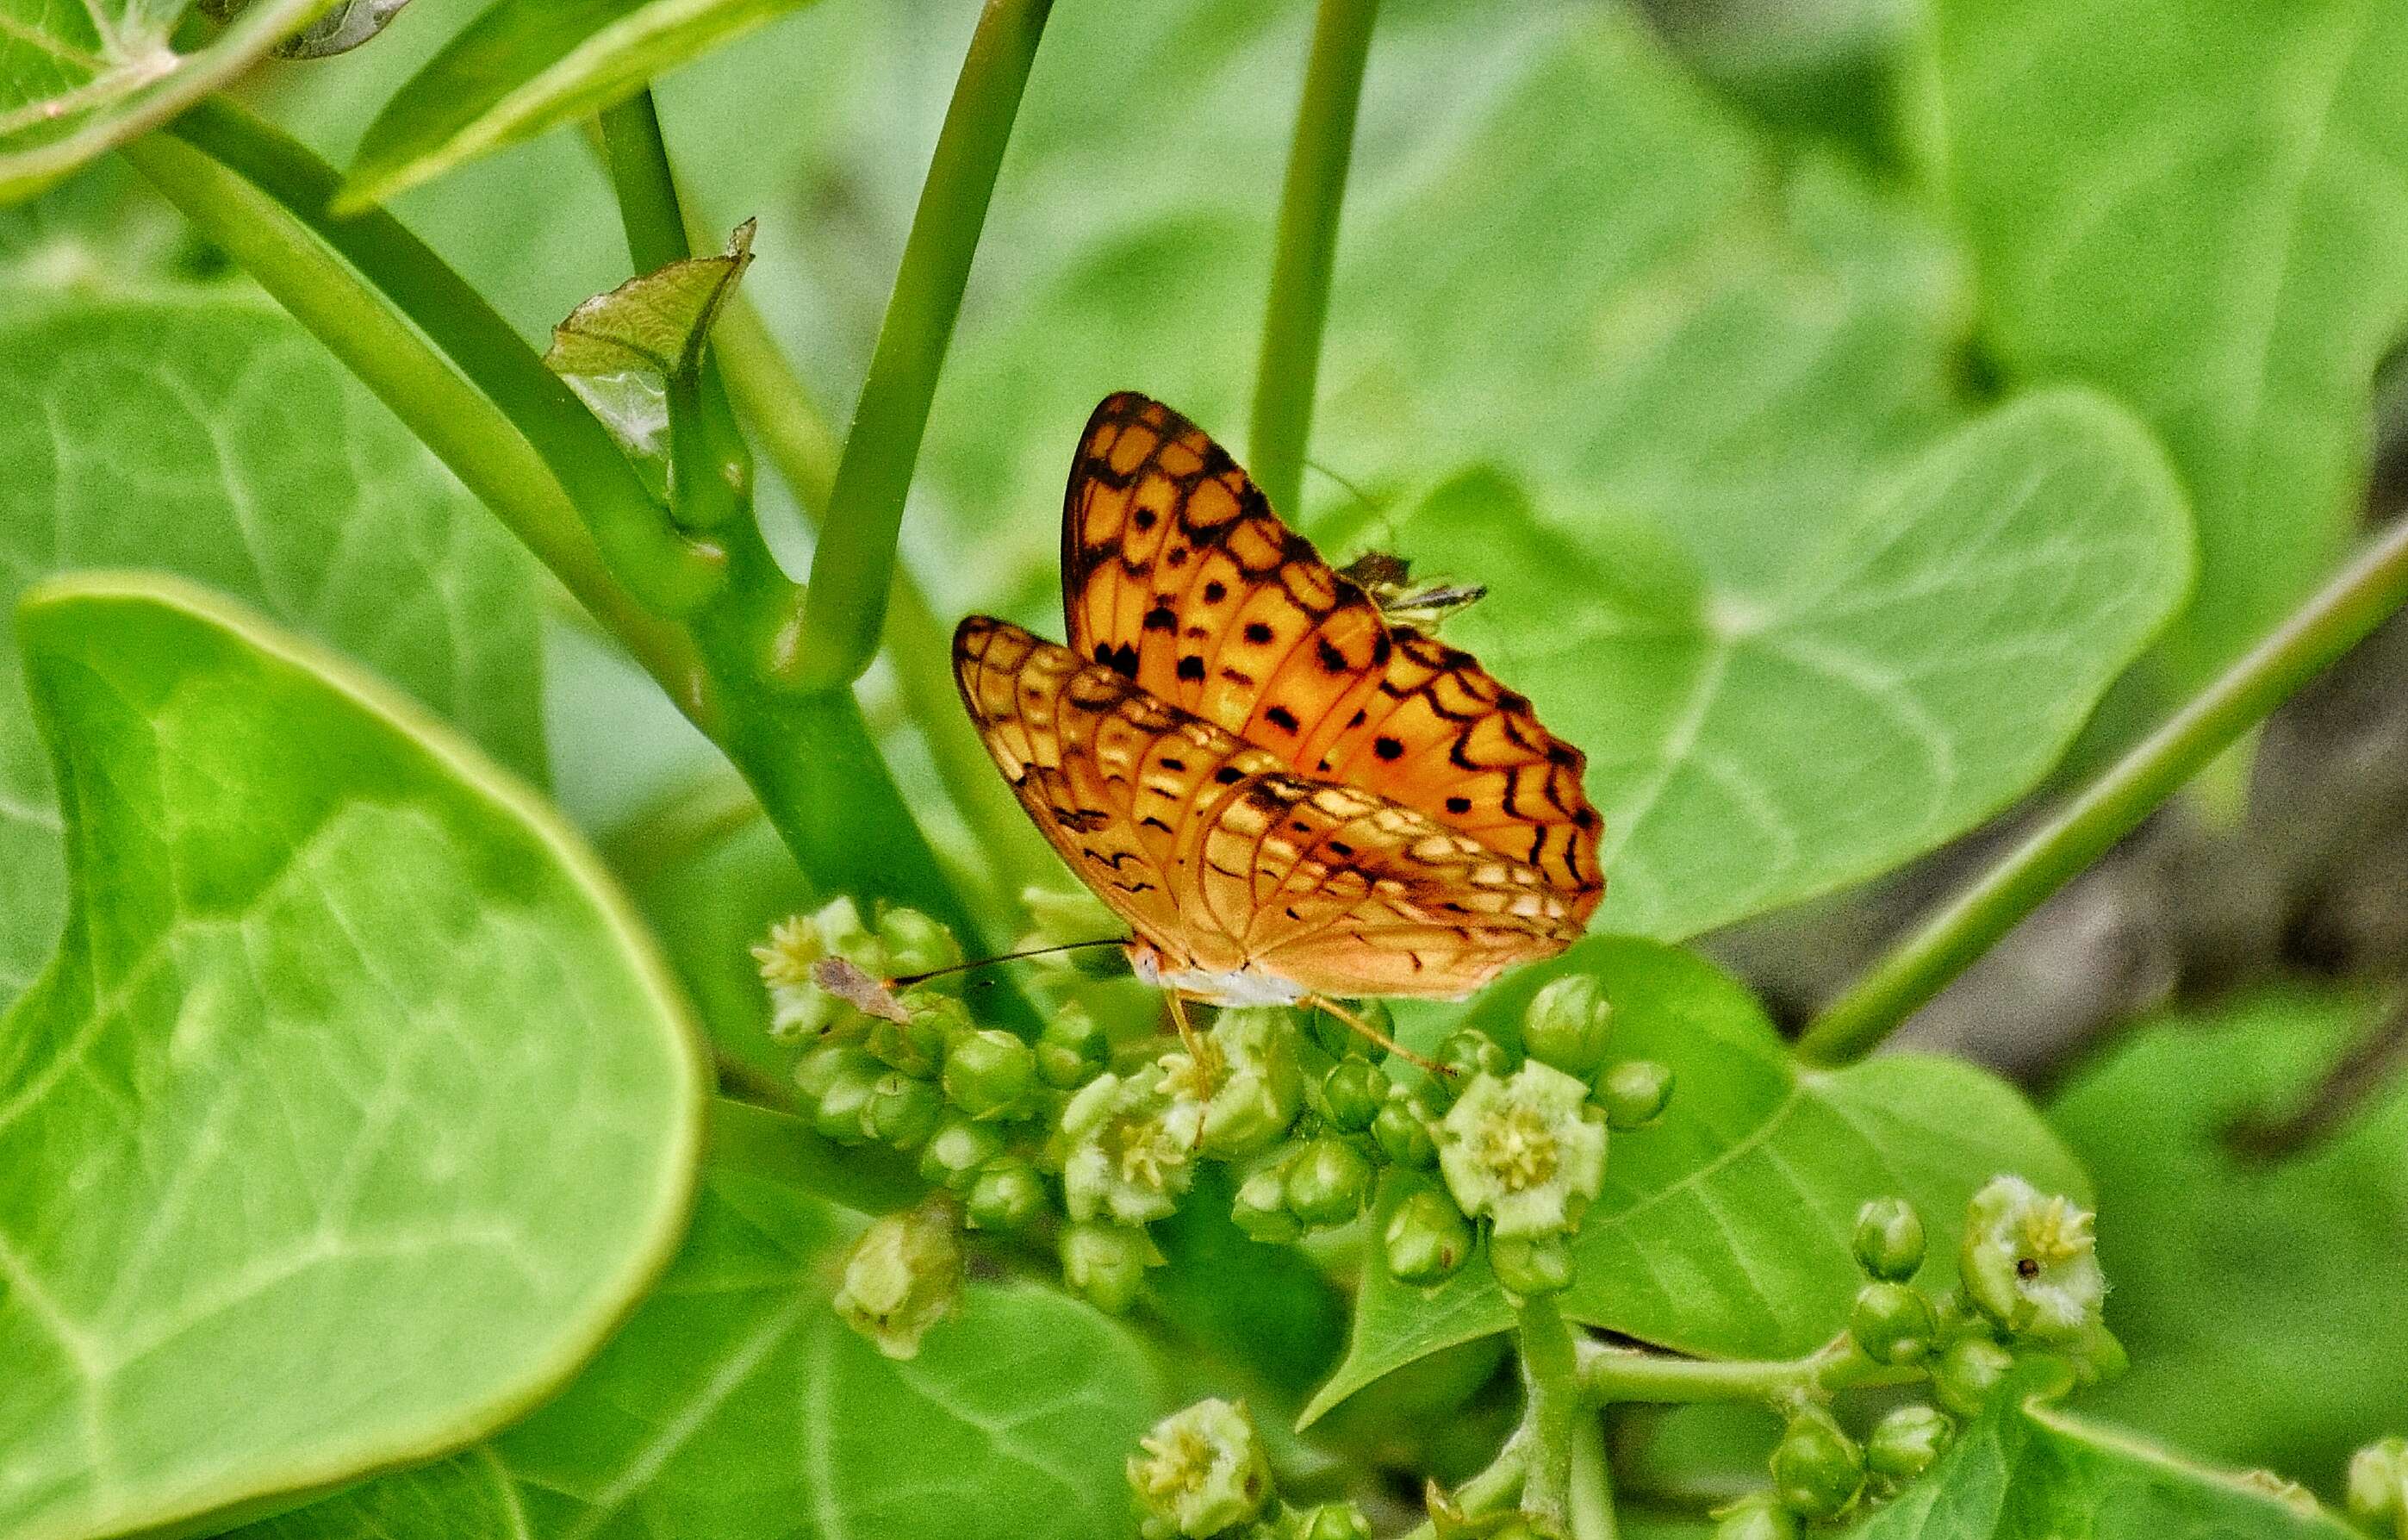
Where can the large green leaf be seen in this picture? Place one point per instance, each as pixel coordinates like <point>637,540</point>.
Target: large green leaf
<point>77,80</point>
<point>2201,204</point>
<point>1741,543</point>
<point>213,438</point>
<point>2026,1471</point>
<point>1723,1230</point>
<point>528,65</point>
<point>354,1109</point>
<point>2261,1299</point>
<point>737,1405</point>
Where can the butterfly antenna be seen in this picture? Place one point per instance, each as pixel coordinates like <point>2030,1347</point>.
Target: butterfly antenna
<point>1351,490</point>
<point>906,980</point>
<point>1322,1002</point>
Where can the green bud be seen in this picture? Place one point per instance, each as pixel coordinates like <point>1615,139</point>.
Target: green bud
<point>1758,1515</point>
<point>1338,1039</point>
<point>1903,1444</point>
<point>1889,1239</point>
<point>2030,1262</point>
<point>1260,1209</point>
<point>903,1276</point>
<point>1816,1468</point>
<point>1330,1521</point>
<point>990,1074</point>
<point>1528,1153</point>
<point>902,1112</point>
<point>957,1150</point>
<point>1529,1266</point>
<point>1967,1371</point>
<point>839,1114</point>
<point>1071,1049</point>
<point>1402,1135</point>
<point>1201,1471</point>
<point>2377,1491</point>
<point>917,1046</point>
<point>1105,1264</point>
<point>1635,1092</point>
<point>1893,1323</point>
<point>819,1069</point>
<point>1005,1194</point>
<point>1471,1053</point>
<point>1426,1239</point>
<point>916,943</point>
<point>1327,1182</point>
<point>1066,914</point>
<point>1568,1023</point>
<point>1353,1093</point>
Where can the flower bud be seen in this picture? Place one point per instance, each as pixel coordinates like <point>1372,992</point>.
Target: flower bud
<point>1889,1239</point>
<point>1968,1373</point>
<point>819,1069</point>
<point>1071,1049</point>
<point>1893,1323</point>
<point>2030,1262</point>
<point>1105,1264</point>
<point>1201,1471</point>
<point>1528,1153</point>
<point>1331,1521</point>
<point>1471,1053</point>
<point>916,1046</point>
<point>916,943</point>
<point>1758,1515</point>
<point>1904,1444</point>
<point>902,1112</point>
<point>955,1152</point>
<point>1260,1209</point>
<point>1353,1093</point>
<point>1338,1038</point>
<point>1403,1137</point>
<point>839,1114</point>
<point>2377,1491</point>
<point>1005,1194</point>
<point>1327,1182</point>
<point>1426,1239</point>
<point>904,1276</point>
<point>1816,1468</point>
<point>1065,915</point>
<point>990,1074</point>
<point>1122,1156</point>
<point>1567,1024</point>
<point>1529,1266</point>
<point>1635,1092</point>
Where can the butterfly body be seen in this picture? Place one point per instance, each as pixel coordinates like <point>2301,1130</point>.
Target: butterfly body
<point>1283,794</point>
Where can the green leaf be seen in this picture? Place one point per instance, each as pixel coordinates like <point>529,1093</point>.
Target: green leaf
<point>2198,206</point>
<point>214,438</point>
<point>77,80</point>
<point>528,65</point>
<point>1724,1228</point>
<point>2026,1471</point>
<point>1927,658</point>
<point>354,1109</point>
<point>655,321</point>
<point>2259,1298</point>
<point>735,1404</point>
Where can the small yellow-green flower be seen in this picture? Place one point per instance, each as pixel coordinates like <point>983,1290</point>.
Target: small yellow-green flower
<point>904,1276</point>
<point>2377,1493</point>
<point>1127,1149</point>
<point>1244,1088</point>
<point>2030,1262</point>
<point>1201,1472</point>
<point>800,1007</point>
<point>1526,1153</point>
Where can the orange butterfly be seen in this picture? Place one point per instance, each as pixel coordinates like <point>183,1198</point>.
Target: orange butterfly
<point>1286,796</point>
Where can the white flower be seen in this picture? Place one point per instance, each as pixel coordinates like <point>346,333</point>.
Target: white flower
<point>2029,1261</point>
<point>1201,1472</point>
<point>1125,1153</point>
<point>1526,1153</point>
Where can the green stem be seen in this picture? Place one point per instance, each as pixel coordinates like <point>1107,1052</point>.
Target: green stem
<point>1591,1517</point>
<point>1551,1386</point>
<point>2111,806</point>
<point>1499,1484</point>
<point>853,567</point>
<point>428,346</point>
<point>1307,249</point>
<point>1612,1374</point>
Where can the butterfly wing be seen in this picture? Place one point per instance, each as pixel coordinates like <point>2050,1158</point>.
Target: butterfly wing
<point>1224,858</point>
<point>1177,574</point>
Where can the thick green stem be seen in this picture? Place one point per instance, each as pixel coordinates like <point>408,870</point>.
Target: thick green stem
<point>1551,1384</point>
<point>1612,1374</point>
<point>853,568</point>
<point>428,346</point>
<point>1308,247</point>
<point>1499,1484</point>
<point>2111,806</point>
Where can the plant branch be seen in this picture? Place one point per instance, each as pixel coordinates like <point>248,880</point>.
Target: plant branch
<point>1552,1395</point>
<point>1612,1374</point>
<point>1492,1488</point>
<point>1307,248</point>
<point>2113,805</point>
<point>853,570</point>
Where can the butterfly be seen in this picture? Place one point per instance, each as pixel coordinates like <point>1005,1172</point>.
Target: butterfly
<point>1286,795</point>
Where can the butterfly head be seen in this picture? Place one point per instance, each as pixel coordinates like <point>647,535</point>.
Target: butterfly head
<point>1242,985</point>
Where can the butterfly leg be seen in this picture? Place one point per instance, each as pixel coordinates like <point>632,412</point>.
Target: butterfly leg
<point>1188,1038</point>
<point>1322,1002</point>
